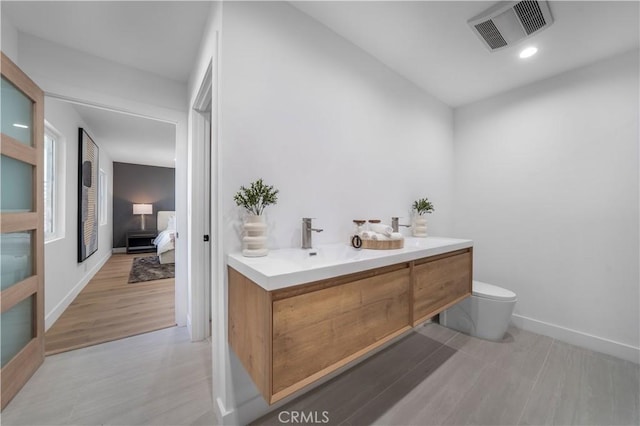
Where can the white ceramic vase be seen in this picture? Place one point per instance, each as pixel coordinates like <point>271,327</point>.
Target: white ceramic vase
<point>419,226</point>
<point>254,241</point>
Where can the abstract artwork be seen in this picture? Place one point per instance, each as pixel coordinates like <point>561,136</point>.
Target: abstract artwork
<point>87,196</point>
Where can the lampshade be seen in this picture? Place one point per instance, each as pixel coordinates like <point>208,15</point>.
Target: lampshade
<point>142,209</point>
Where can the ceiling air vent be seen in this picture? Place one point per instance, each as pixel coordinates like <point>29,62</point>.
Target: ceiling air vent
<point>508,23</point>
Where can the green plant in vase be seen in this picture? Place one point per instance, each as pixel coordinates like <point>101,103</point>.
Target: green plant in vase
<point>254,199</point>
<point>421,207</point>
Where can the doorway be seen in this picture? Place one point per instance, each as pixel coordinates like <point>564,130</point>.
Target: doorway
<point>111,294</point>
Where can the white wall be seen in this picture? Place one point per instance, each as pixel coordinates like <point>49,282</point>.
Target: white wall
<point>70,74</point>
<point>98,74</point>
<point>64,276</point>
<point>338,133</point>
<point>9,38</point>
<point>547,187</point>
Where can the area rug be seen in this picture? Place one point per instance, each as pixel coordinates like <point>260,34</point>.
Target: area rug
<point>149,269</point>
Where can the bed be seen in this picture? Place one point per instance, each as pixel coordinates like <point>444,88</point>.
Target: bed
<point>166,239</point>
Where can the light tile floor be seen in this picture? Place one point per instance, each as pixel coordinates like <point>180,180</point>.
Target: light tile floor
<point>434,376</point>
<point>158,378</point>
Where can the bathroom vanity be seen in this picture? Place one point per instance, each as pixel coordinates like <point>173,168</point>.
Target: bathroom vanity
<point>296,315</point>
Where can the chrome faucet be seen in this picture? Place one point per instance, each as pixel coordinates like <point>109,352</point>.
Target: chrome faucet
<point>306,232</point>
<point>395,224</point>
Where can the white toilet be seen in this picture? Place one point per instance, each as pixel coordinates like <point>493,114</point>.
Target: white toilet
<point>485,314</point>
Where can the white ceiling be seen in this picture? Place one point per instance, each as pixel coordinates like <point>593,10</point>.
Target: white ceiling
<point>131,139</point>
<point>157,37</point>
<point>161,37</point>
<point>430,43</point>
<point>427,42</point>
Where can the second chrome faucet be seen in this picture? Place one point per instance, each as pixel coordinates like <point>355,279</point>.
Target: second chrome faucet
<point>395,224</point>
<point>307,228</point>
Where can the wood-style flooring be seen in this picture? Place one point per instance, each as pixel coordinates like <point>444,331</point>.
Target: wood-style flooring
<point>436,376</point>
<point>109,308</point>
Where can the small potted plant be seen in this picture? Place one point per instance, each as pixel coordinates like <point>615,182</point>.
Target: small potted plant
<point>254,199</point>
<point>420,208</point>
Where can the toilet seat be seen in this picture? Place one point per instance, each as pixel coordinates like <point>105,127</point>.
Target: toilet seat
<point>492,292</point>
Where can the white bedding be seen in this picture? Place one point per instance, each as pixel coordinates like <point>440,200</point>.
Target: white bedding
<point>165,241</point>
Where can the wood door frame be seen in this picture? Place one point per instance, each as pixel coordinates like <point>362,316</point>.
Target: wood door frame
<point>22,366</point>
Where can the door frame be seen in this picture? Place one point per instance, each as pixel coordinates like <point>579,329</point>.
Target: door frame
<point>22,366</point>
<point>204,213</point>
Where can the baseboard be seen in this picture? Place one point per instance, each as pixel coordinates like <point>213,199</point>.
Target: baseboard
<point>249,411</point>
<point>578,338</point>
<point>222,414</point>
<point>118,250</point>
<point>55,313</point>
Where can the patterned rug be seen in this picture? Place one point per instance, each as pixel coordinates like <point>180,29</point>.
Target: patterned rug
<point>149,269</point>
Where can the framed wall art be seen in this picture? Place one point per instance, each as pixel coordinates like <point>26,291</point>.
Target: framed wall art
<point>87,196</point>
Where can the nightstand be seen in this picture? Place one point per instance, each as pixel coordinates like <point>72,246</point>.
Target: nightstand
<point>141,241</point>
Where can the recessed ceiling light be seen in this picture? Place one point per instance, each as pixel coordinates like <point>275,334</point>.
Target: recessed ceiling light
<point>22,126</point>
<point>528,52</point>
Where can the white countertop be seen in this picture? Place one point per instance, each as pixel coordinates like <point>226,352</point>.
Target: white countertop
<point>293,266</point>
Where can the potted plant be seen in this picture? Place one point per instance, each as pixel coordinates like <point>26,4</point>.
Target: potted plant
<point>254,199</point>
<point>421,207</point>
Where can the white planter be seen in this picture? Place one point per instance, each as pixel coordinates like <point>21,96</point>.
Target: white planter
<point>254,241</point>
<point>419,226</point>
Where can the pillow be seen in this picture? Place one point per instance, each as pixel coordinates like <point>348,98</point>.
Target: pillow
<point>171,223</point>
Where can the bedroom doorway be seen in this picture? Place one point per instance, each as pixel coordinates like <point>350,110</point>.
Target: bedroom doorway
<point>118,291</point>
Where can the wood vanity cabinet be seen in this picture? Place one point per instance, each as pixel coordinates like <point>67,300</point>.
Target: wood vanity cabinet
<point>289,338</point>
<point>440,282</point>
<point>317,330</point>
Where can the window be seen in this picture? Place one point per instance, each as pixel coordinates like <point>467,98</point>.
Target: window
<point>49,185</point>
<point>102,198</point>
<point>54,178</point>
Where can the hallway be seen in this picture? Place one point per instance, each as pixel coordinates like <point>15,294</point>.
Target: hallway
<point>109,308</point>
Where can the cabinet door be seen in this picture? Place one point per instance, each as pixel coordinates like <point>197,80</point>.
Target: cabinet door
<point>319,330</point>
<point>439,283</point>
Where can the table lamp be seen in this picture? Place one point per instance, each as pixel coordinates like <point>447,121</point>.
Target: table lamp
<point>142,209</point>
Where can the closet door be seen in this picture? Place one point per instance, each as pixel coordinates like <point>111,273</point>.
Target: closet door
<point>21,229</point>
